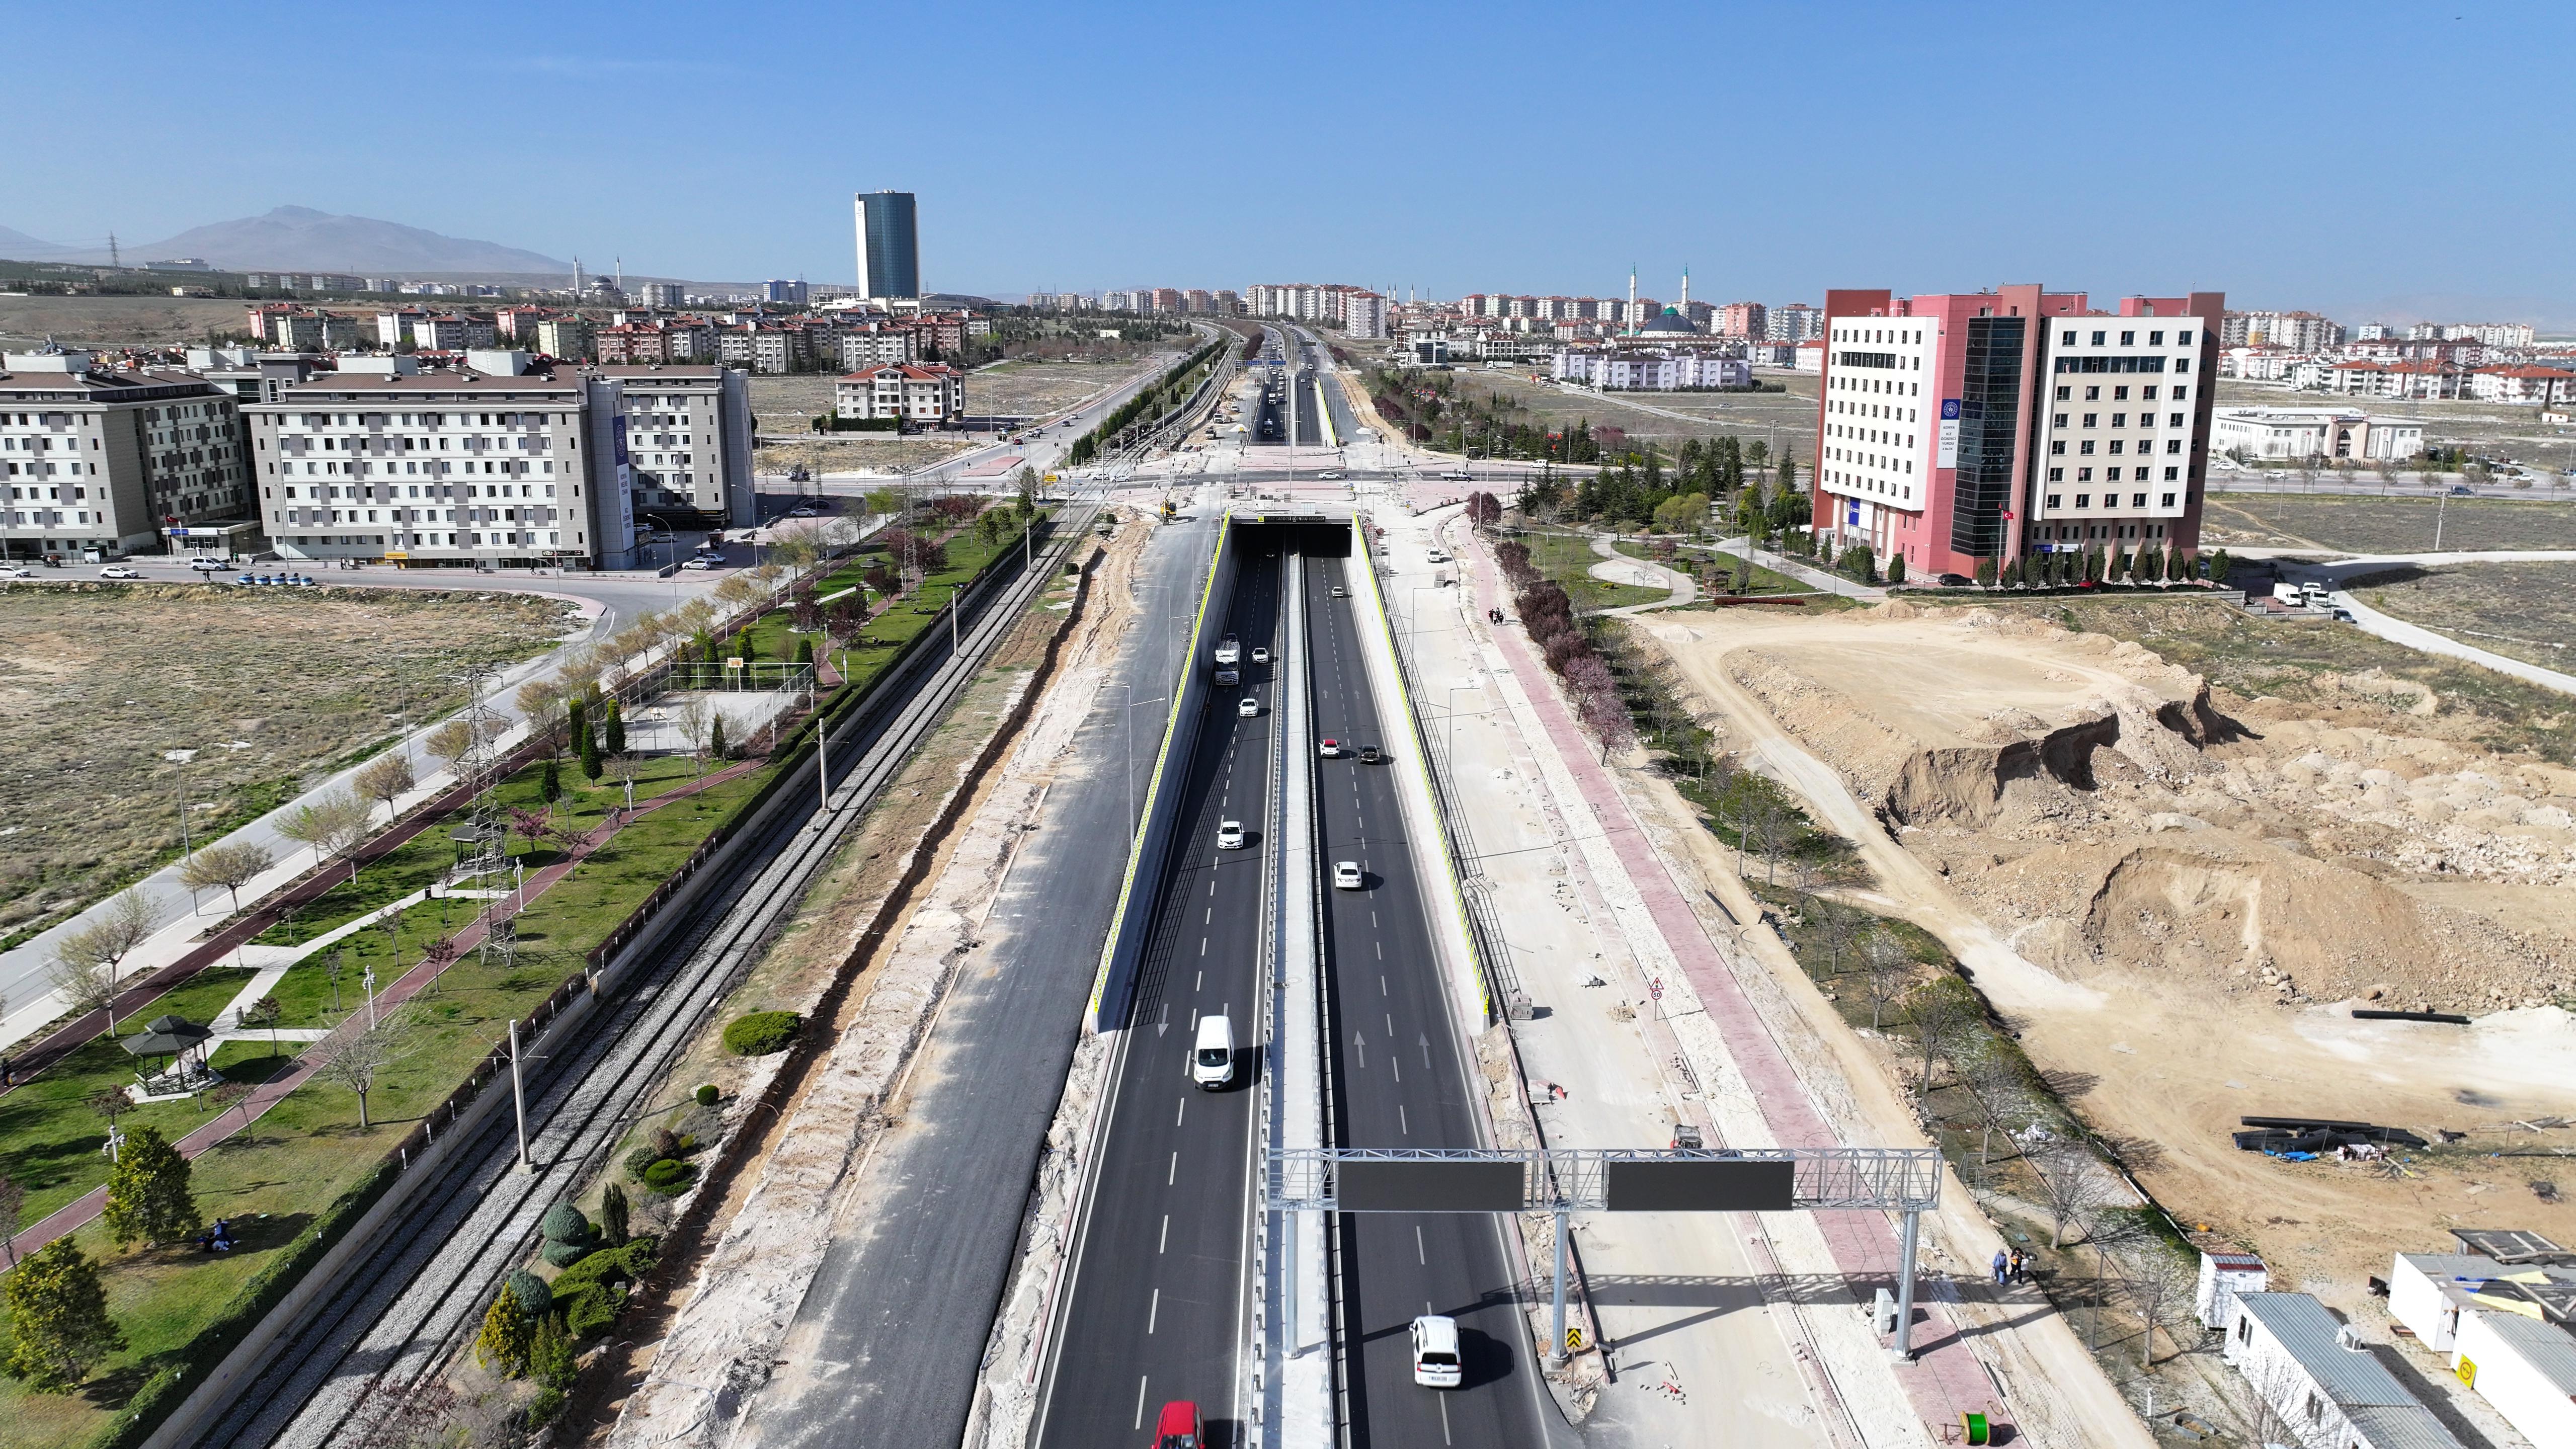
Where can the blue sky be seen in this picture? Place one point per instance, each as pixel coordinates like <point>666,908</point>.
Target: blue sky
<point>2365,159</point>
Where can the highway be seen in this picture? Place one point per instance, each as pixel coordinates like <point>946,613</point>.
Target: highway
<point>1156,1304</point>
<point>1400,1082</point>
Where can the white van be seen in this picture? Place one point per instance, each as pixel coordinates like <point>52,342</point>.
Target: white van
<point>1435,1352</point>
<point>1212,1059</point>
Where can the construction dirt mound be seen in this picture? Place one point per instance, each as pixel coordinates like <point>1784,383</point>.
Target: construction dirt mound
<point>2100,808</point>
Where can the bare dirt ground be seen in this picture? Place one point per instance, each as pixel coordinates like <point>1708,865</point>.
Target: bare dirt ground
<point>118,321</point>
<point>2523,611</point>
<point>2343,523</point>
<point>2176,893</point>
<point>1771,416</point>
<point>267,686</point>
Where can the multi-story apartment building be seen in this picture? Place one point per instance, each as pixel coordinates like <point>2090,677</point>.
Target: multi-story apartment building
<point>688,439</point>
<point>2493,334</point>
<point>1363,315</point>
<point>1638,370</point>
<point>484,465</point>
<point>566,337</point>
<point>774,290</point>
<point>395,328</point>
<point>451,332</point>
<point>1227,304</point>
<point>2301,433</point>
<point>925,394</point>
<point>519,324</point>
<point>2297,331</point>
<point>2427,380</point>
<point>1992,424</point>
<point>667,294</point>
<point>2525,384</point>
<point>297,330</point>
<point>98,463</point>
<point>1792,322</point>
<point>860,350</point>
<point>1743,319</point>
<point>765,347</point>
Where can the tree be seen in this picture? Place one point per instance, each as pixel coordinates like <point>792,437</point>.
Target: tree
<point>13,1200</point>
<point>451,742</point>
<point>1896,568</point>
<point>266,1012</point>
<point>88,960</point>
<point>1885,964</point>
<point>716,737</point>
<point>2002,1091</point>
<point>693,720</point>
<point>612,1215</point>
<point>353,1055</point>
<point>335,825</point>
<point>543,702</point>
<point>228,864</point>
<point>385,779</point>
<point>148,1196</point>
<point>612,728</point>
<point>2070,1180</point>
<point>506,1336</point>
<point>1937,1010</point>
<point>589,747</point>
<point>58,1323</point>
<point>549,782</point>
<point>2163,1289</point>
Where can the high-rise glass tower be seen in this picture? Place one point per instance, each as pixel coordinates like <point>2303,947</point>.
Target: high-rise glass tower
<point>889,246</point>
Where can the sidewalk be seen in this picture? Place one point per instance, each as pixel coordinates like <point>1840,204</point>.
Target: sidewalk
<point>1618,568</point>
<point>1806,573</point>
<point>71,1216</point>
<point>1757,1095</point>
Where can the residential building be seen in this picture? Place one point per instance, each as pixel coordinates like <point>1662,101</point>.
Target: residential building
<point>2492,334</point>
<point>98,462</point>
<point>774,290</point>
<point>1638,370</point>
<point>1364,315</point>
<point>1987,425</point>
<point>668,294</point>
<point>249,374</point>
<point>1743,319</point>
<point>1227,304</point>
<point>2542,385</point>
<point>1795,322</point>
<point>925,394</point>
<point>2327,1388</point>
<point>2297,331</point>
<point>297,330</point>
<point>395,328</point>
<point>481,465</point>
<point>1197,301</point>
<point>688,439</point>
<point>566,337</point>
<point>889,245</point>
<point>1772,354</point>
<point>2429,381</point>
<point>871,348</point>
<point>451,332</point>
<point>2324,433</point>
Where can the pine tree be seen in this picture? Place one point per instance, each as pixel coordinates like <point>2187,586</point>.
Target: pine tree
<point>147,1192</point>
<point>577,721</point>
<point>549,782</point>
<point>612,1215</point>
<point>506,1335</point>
<point>590,766</point>
<point>716,739</point>
<point>614,727</point>
<point>58,1323</point>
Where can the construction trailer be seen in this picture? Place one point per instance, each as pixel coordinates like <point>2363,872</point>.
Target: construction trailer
<point>2525,1367</point>
<point>2322,1382</point>
<point>2429,1291</point>
<point>2222,1277</point>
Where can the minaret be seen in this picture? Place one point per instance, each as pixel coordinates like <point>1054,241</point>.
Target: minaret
<point>576,276</point>
<point>1631,313</point>
<point>1685,294</point>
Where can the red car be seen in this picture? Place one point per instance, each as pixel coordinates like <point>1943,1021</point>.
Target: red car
<point>1178,1427</point>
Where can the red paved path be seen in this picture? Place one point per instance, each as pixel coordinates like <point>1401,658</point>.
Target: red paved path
<point>1945,1376</point>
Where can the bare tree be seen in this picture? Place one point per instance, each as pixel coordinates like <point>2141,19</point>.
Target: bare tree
<point>2162,1290</point>
<point>1839,925</point>
<point>335,825</point>
<point>1884,965</point>
<point>2071,1179</point>
<point>386,779</point>
<point>1937,1014</point>
<point>1995,1079</point>
<point>229,864</point>
<point>90,958</point>
<point>354,1054</point>
<point>696,722</point>
<point>13,1200</point>
<point>1771,827</point>
<point>451,741</point>
<point>543,701</point>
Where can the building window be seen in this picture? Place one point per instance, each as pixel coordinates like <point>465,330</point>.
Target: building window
<point>2172,474</point>
<point>2064,392</point>
<point>2056,475</point>
<point>2168,503</point>
<point>2092,420</point>
<point>2086,448</point>
<point>2083,500</point>
<point>2083,475</point>
<point>2059,420</point>
<point>2052,499</point>
<point>2098,336</point>
<point>2182,339</point>
<point>2127,339</point>
<point>2058,446</point>
<point>2066,339</point>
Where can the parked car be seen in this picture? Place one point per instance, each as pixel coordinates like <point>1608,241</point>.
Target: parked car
<point>13,571</point>
<point>700,563</point>
<point>1229,835</point>
<point>1346,875</point>
<point>119,571</point>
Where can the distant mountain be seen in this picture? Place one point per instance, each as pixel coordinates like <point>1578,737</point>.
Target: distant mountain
<point>298,238</point>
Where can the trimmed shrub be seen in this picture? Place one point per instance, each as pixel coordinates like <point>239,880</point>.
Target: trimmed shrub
<point>761,1033</point>
<point>563,1255</point>
<point>641,1158</point>
<point>564,1223</point>
<point>670,1176</point>
<point>707,1095</point>
<point>592,1315</point>
<point>535,1298</point>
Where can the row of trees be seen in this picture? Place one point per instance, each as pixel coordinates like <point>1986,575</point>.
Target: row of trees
<point>1547,613</point>
<point>2147,564</point>
<point>1153,402</point>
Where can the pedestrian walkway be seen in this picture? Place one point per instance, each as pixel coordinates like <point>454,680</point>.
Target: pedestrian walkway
<point>1945,1377</point>
<point>1805,573</point>
<point>1618,568</point>
<point>72,1215</point>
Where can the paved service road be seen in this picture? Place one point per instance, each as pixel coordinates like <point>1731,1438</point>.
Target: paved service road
<point>1158,1305</point>
<point>1399,1082</point>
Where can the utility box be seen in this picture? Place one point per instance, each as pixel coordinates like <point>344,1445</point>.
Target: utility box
<point>1882,1314</point>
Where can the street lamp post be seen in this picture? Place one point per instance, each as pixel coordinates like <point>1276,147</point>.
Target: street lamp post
<point>187,845</point>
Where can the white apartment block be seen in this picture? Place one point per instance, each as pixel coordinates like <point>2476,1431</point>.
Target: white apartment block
<point>687,435</point>
<point>1635,371</point>
<point>95,461</point>
<point>2542,385</point>
<point>565,337</point>
<point>2301,433</point>
<point>926,394</point>
<point>2422,381</point>
<point>2493,334</point>
<point>872,349</point>
<point>451,332</point>
<point>396,328</point>
<point>2297,331</point>
<point>1364,315</point>
<point>476,467</point>
<point>1792,322</point>
<point>665,294</point>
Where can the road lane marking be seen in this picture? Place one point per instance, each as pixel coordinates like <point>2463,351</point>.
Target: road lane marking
<point>1401,1125</point>
<point>1165,1240</point>
<point>1390,1026</point>
<point>1381,955</point>
<point>1140,1402</point>
<point>1444,1413</point>
<point>1173,1172</point>
<point>1200,984</point>
<point>1381,979</point>
<point>1203,945</point>
<point>1420,1254</point>
<point>1153,1312</point>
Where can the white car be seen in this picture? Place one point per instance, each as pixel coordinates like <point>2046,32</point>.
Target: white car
<point>208,565</point>
<point>1229,835</point>
<point>119,571</point>
<point>12,571</point>
<point>1436,1363</point>
<point>1333,474</point>
<point>1260,654</point>
<point>1330,749</point>
<point>1247,707</point>
<point>1337,591</point>
<point>699,563</point>
<point>1346,875</point>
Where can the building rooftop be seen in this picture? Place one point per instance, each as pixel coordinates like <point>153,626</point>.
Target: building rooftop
<point>2548,1348</point>
<point>2355,1377</point>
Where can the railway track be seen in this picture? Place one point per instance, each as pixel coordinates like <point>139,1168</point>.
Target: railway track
<point>402,1307</point>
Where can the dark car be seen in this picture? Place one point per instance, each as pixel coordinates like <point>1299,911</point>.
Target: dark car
<point>1954,581</point>
<point>1372,755</point>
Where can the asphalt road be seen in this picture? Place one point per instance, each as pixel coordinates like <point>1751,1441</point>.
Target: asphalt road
<point>1399,1082</point>
<point>903,1306</point>
<point>1158,1307</point>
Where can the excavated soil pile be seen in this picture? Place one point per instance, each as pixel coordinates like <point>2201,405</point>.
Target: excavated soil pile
<point>2097,803</point>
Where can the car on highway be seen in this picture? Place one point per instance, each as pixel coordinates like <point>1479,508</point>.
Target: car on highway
<point>1337,591</point>
<point>1178,1427</point>
<point>1212,1055</point>
<point>701,563</point>
<point>1346,875</point>
<point>1330,749</point>
<point>1260,653</point>
<point>13,571</point>
<point>1436,1364</point>
<point>1372,755</point>
<point>1457,475</point>
<point>1247,707</point>
<point>208,565</point>
<point>1332,474</point>
<point>2460,488</point>
<point>119,571</point>
<point>1229,835</point>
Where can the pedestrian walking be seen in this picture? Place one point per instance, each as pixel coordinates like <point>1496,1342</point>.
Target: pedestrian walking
<point>2002,1266</point>
<point>2020,1266</point>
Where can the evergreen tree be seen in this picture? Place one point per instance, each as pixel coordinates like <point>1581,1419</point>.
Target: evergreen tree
<point>590,766</point>
<point>716,739</point>
<point>58,1323</point>
<point>506,1336</point>
<point>147,1192</point>
<point>612,1215</point>
<point>743,648</point>
<point>1985,571</point>
<point>2117,566</point>
<point>1896,568</point>
<point>2092,565</point>
<point>805,647</point>
<point>577,720</point>
<point>614,727</point>
<point>549,782</point>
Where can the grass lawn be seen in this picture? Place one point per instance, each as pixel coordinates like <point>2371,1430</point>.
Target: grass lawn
<point>774,636</point>
<point>2355,523</point>
<point>2524,611</point>
<point>1568,558</point>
